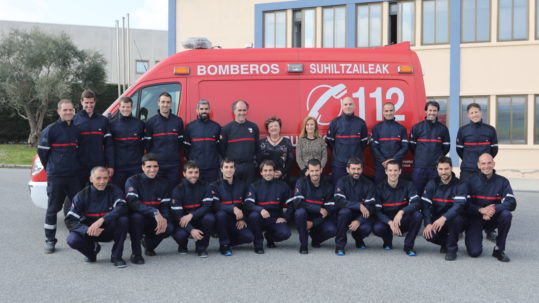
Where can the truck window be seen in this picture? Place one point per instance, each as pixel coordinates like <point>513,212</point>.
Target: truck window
<point>147,106</point>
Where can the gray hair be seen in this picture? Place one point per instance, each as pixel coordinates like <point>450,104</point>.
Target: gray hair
<point>64,101</point>
<point>238,101</point>
<point>98,169</point>
<point>202,102</point>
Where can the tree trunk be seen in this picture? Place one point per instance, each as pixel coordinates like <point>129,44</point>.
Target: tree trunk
<point>34,132</point>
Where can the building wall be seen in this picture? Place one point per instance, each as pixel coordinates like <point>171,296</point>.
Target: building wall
<point>489,69</point>
<point>146,45</point>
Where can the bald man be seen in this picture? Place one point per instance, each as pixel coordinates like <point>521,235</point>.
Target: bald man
<point>347,136</point>
<point>490,206</point>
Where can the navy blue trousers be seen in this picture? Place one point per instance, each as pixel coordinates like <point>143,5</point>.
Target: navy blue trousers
<point>113,231</point>
<point>143,225</point>
<point>171,172</point>
<point>274,232</point>
<point>57,190</point>
<point>245,171</point>
<point>379,174</point>
<point>229,234</point>
<point>474,231</point>
<point>344,217</point>
<point>205,223</point>
<point>337,172</point>
<point>121,175</point>
<point>320,233</point>
<point>466,174</point>
<point>421,176</point>
<point>409,223</point>
<point>209,175</point>
<point>448,236</point>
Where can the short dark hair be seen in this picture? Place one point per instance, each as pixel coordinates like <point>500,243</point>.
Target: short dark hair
<point>355,161</point>
<point>444,159</point>
<point>189,165</point>
<point>238,101</point>
<point>227,160</point>
<point>202,102</point>
<point>390,103</point>
<point>273,119</point>
<point>432,103</point>
<point>314,162</point>
<point>126,99</point>
<point>393,162</point>
<point>164,94</point>
<point>471,105</point>
<point>267,163</point>
<point>87,93</point>
<point>149,157</point>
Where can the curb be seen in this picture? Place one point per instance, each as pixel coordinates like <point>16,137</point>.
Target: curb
<point>14,166</point>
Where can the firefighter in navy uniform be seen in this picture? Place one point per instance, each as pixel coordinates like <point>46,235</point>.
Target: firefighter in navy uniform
<point>397,209</point>
<point>490,206</point>
<point>164,137</point>
<point>347,136</point>
<point>354,204</point>
<point>127,136</point>
<point>191,211</point>
<point>313,205</point>
<point>57,150</point>
<point>201,142</point>
<point>264,202</point>
<point>239,142</point>
<point>429,140</point>
<point>229,195</point>
<point>148,198</point>
<point>95,140</point>
<point>98,214</point>
<point>444,202</point>
<point>389,142</point>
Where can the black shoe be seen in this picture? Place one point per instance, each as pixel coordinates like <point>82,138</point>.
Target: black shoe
<point>500,255</point>
<point>50,246</point>
<point>450,256</point>
<point>316,245</point>
<point>147,252</point>
<point>118,262</point>
<point>225,250</point>
<point>271,245</point>
<point>492,236</point>
<point>339,252</point>
<point>410,252</point>
<point>303,250</point>
<point>443,250</point>
<point>203,254</point>
<point>137,259</point>
<point>360,245</point>
<point>259,251</point>
<point>92,258</point>
<point>182,250</point>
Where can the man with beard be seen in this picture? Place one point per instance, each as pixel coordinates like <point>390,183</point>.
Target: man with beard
<point>201,141</point>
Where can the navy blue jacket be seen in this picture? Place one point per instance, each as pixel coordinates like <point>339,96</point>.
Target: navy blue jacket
<point>91,204</point>
<point>239,142</point>
<point>441,199</point>
<point>95,140</point>
<point>313,198</point>
<point>429,140</point>
<point>201,142</point>
<point>57,149</point>
<point>483,192</point>
<point>350,193</point>
<point>389,141</point>
<point>127,135</point>
<point>226,196</point>
<point>164,136</point>
<point>390,200</point>
<point>269,195</point>
<point>145,195</point>
<point>195,199</point>
<point>473,140</point>
<point>347,136</point>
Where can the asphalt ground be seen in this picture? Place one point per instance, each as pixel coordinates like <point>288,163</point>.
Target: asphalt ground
<point>280,275</point>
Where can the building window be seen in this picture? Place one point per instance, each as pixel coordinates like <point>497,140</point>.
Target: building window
<point>482,101</point>
<point>275,29</point>
<point>536,122</point>
<point>142,66</point>
<point>334,27</point>
<point>443,113</point>
<point>511,119</point>
<point>369,25</point>
<point>304,28</point>
<point>512,20</point>
<point>475,20</point>
<point>435,21</point>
